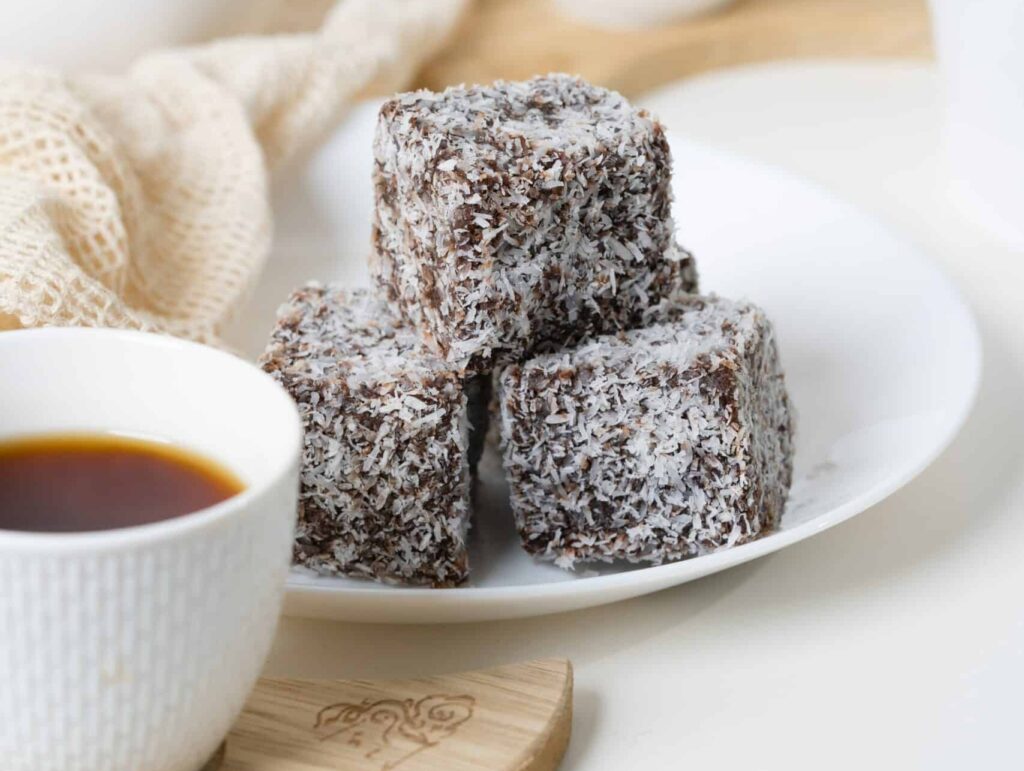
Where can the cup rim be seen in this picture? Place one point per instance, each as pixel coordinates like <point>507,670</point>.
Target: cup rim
<point>286,461</point>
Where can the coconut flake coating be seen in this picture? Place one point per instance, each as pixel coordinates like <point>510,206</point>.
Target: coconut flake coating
<point>384,491</point>
<point>521,214</point>
<point>650,445</point>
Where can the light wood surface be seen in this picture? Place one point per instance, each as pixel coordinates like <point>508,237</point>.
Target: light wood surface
<point>516,39</point>
<point>514,718</point>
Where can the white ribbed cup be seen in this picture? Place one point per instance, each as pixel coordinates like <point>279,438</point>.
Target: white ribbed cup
<point>134,649</point>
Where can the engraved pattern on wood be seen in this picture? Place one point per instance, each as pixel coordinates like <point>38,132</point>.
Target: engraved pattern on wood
<point>514,718</point>
<point>390,731</point>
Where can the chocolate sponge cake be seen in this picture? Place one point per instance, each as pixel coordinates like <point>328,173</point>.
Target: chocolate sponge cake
<point>514,216</point>
<point>654,444</point>
<point>385,481</point>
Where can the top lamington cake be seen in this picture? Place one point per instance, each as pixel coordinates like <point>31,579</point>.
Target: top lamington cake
<point>519,215</point>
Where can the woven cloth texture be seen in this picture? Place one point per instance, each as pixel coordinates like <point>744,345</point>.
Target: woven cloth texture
<point>141,200</point>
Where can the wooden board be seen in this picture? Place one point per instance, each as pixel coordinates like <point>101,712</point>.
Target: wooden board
<point>516,39</point>
<point>514,718</point>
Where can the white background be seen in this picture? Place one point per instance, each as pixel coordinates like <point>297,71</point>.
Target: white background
<point>892,641</point>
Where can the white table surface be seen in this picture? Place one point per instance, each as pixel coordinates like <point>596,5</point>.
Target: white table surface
<point>892,641</point>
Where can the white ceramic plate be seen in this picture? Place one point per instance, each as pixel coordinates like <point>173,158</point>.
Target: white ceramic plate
<point>882,358</point>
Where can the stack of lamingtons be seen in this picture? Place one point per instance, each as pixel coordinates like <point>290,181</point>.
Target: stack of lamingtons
<point>523,233</point>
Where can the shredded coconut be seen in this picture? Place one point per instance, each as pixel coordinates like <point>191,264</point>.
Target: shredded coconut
<point>518,215</point>
<point>385,483</point>
<point>653,444</point>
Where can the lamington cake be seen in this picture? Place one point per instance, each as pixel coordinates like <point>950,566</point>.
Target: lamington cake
<point>385,491</point>
<point>653,444</point>
<point>515,216</point>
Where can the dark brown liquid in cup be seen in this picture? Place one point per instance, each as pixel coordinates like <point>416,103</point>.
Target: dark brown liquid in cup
<point>79,483</point>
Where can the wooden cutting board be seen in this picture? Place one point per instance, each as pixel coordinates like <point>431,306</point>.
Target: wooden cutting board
<point>515,717</point>
<point>517,39</point>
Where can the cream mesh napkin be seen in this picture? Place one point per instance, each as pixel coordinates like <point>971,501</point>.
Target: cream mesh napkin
<point>142,201</point>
